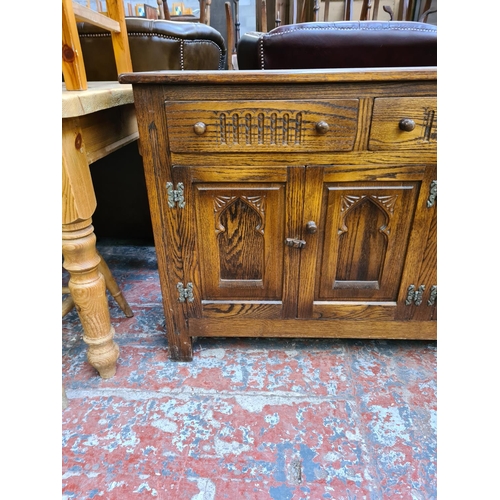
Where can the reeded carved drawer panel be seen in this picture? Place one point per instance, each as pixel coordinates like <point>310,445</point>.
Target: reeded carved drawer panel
<point>262,126</point>
<point>403,123</point>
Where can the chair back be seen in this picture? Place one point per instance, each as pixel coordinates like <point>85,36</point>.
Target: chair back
<point>155,45</point>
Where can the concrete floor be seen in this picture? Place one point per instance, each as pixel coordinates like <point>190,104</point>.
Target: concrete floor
<point>280,419</point>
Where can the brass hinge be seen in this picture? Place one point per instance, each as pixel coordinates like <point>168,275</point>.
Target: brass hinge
<point>414,296</point>
<point>432,194</point>
<point>433,295</point>
<point>185,294</point>
<point>175,195</point>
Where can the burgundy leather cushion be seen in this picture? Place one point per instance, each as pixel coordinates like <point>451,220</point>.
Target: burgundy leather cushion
<point>343,44</point>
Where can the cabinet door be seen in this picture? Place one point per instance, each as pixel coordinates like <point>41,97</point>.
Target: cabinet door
<point>240,219</point>
<point>418,297</point>
<point>360,248</point>
<point>422,304</point>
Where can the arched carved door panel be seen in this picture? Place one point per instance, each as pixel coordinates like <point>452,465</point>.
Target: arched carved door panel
<point>367,227</point>
<point>241,233</point>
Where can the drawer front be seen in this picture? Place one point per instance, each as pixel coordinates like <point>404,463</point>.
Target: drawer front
<point>262,126</point>
<point>403,123</point>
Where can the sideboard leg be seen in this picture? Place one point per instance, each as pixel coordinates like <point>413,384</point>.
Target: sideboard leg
<point>180,345</point>
<point>88,289</point>
<point>184,352</point>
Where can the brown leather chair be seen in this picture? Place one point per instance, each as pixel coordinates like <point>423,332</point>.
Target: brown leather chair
<point>154,45</point>
<point>342,44</point>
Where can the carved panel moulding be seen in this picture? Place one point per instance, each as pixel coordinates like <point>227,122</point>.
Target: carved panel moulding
<point>429,131</point>
<point>385,202</point>
<point>248,128</point>
<point>256,203</point>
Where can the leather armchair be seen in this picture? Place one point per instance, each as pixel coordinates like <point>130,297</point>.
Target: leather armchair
<point>342,44</point>
<point>154,45</point>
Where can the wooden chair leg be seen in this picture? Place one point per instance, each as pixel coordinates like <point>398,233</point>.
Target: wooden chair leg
<point>111,285</point>
<point>113,288</point>
<point>166,11</point>
<point>348,10</point>
<point>327,10</point>
<point>263,16</point>
<point>365,9</point>
<point>232,61</point>
<point>68,303</point>
<point>316,11</point>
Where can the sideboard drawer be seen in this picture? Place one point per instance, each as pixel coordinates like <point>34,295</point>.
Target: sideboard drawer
<point>403,123</point>
<point>262,126</point>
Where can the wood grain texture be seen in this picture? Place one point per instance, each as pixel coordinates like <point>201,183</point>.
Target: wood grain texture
<point>298,328</point>
<point>367,310</point>
<point>293,229</point>
<point>98,96</point>
<point>313,194</point>
<point>84,14</point>
<point>275,77</point>
<point>242,309</point>
<point>383,161</point>
<point>427,310</point>
<point>121,49</point>
<point>151,121</point>
<point>422,237</point>
<point>108,130</point>
<point>73,67</point>
<point>78,197</point>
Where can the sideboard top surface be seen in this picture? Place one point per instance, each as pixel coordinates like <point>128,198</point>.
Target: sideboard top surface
<point>238,77</point>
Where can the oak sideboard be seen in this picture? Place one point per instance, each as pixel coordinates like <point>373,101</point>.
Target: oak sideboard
<point>292,203</point>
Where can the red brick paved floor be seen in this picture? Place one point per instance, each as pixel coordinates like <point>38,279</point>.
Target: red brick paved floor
<point>279,419</point>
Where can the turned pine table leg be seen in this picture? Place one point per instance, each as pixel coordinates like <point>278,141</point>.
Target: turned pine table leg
<point>88,289</point>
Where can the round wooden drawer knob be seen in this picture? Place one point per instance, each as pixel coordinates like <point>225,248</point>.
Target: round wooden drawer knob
<point>199,128</point>
<point>322,127</point>
<point>406,125</point>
